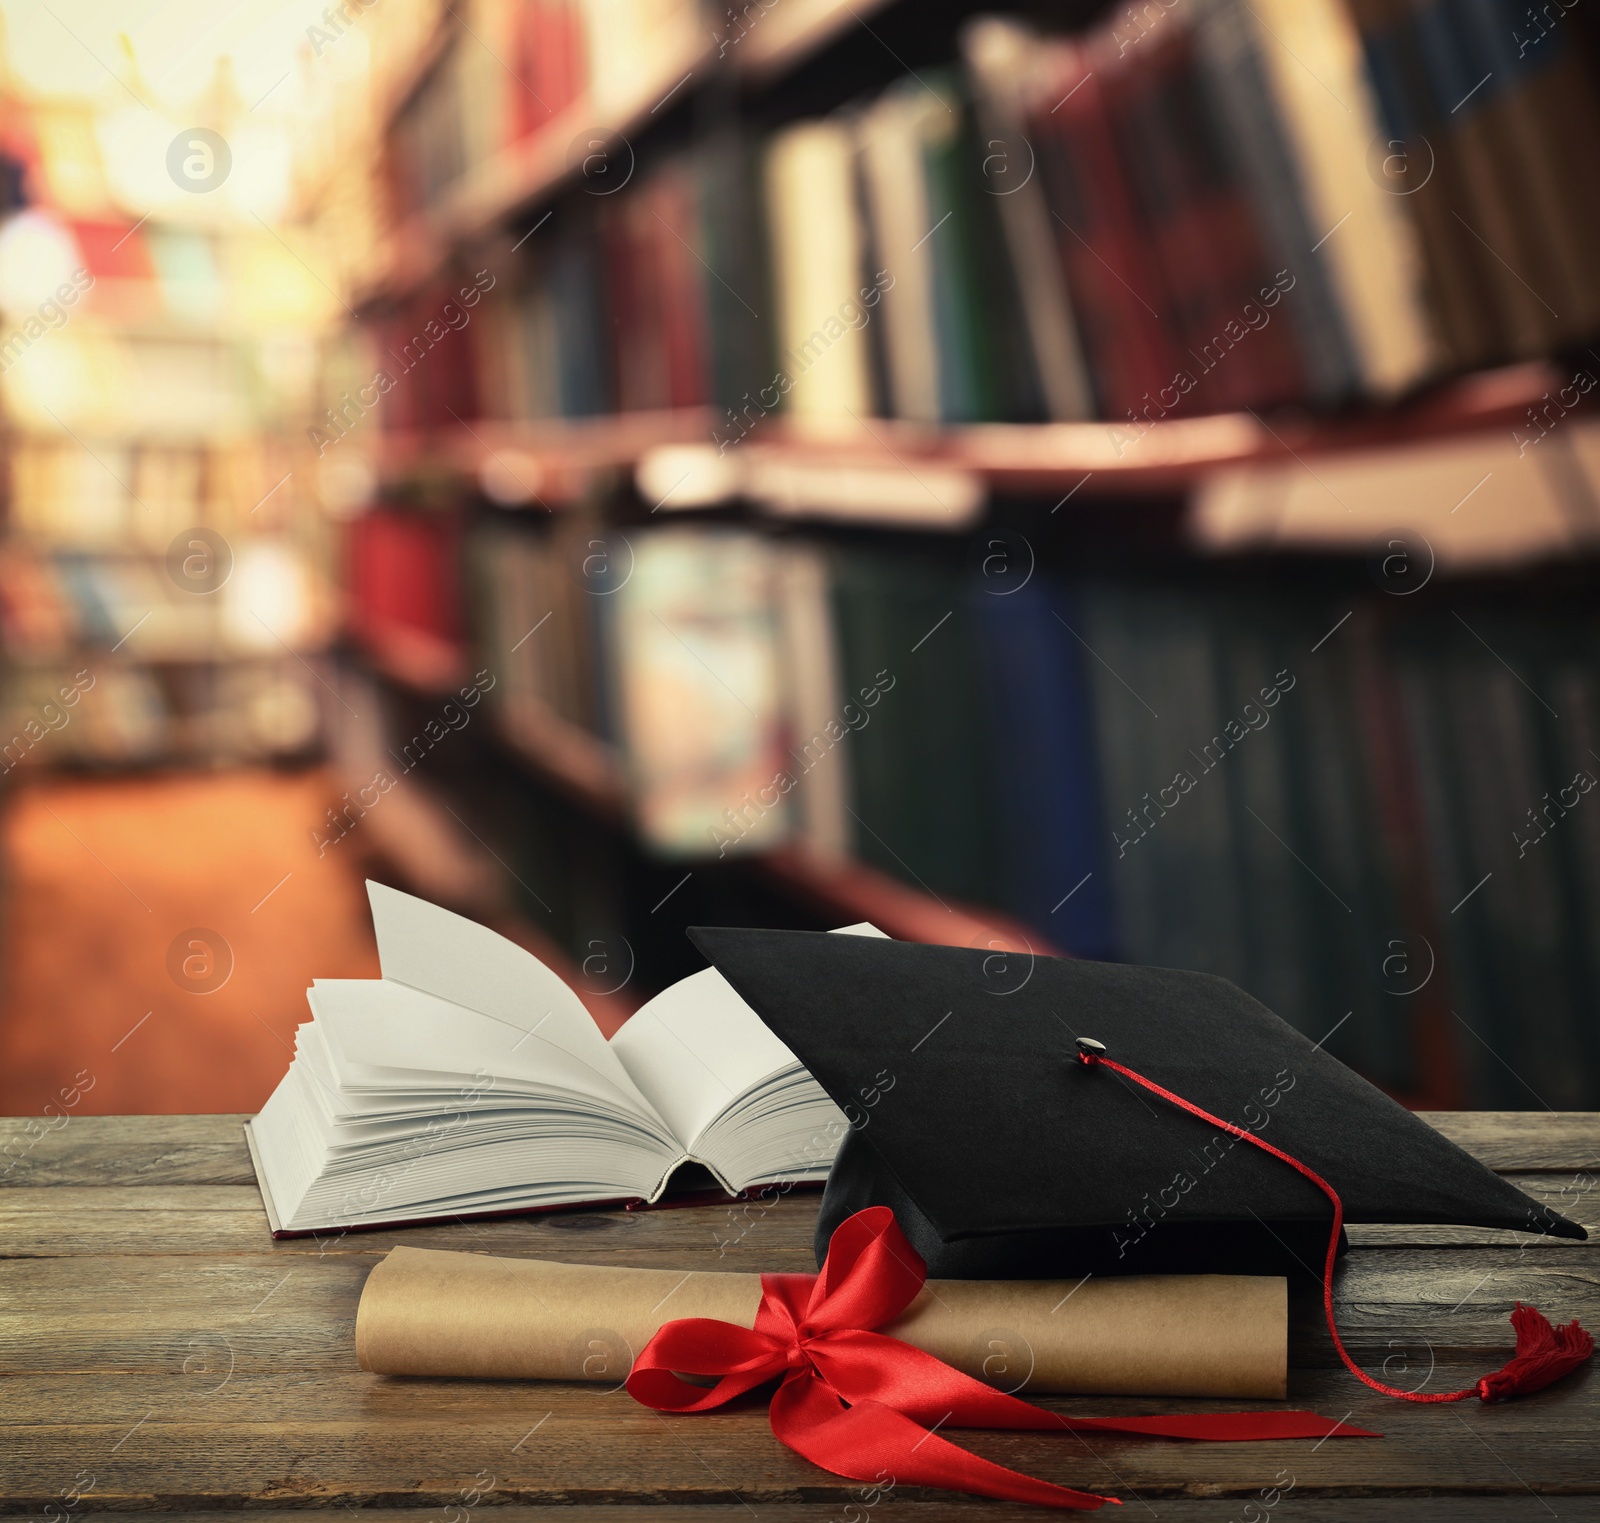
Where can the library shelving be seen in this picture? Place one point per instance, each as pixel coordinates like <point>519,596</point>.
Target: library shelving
<point>161,547</point>
<point>1078,393</point>
<point>519,176</point>
<point>550,464</point>
<point>577,766</point>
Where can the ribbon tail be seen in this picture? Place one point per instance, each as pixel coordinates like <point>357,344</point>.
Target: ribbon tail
<point>869,1440</point>
<point>1223,1427</point>
<point>873,1367</point>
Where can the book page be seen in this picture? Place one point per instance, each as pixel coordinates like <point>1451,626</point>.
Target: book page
<point>697,1047</point>
<point>458,960</point>
<point>383,1032</point>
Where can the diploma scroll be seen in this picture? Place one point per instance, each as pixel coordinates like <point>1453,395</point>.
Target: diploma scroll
<point>425,1312</point>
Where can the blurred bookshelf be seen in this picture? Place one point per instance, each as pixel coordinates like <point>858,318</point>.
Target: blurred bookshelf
<point>568,114</point>
<point>164,572</point>
<point>549,465</point>
<point>869,452</point>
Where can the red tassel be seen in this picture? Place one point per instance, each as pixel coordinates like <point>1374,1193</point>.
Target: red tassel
<point>1544,1354</point>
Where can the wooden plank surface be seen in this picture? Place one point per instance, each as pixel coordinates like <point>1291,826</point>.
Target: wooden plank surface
<point>155,1339</point>
<point>1556,1140</point>
<point>77,1219</point>
<point>126,1150</point>
<point>150,1150</point>
<point>1299,1507</point>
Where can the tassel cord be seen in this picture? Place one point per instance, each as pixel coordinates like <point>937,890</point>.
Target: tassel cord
<point>1544,1353</point>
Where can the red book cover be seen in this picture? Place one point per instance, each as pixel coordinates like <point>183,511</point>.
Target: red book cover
<point>114,250</point>
<point>401,181</point>
<point>681,286</point>
<point>634,304</point>
<point>431,360</point>
<point>397,405</point>
<point>1117,291</point>
<point>566,66</point>
<point>400,568</point>
<point>532,104</point>
<point>1202,227</point>
<point>550,63</point>
<point>452,382</point>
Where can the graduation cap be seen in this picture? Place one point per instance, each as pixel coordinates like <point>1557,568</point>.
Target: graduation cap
<point>1032,1117</point>
<point>1007,1150</point>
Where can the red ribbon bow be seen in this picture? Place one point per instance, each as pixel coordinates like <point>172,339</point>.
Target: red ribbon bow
<point>855,1401</point>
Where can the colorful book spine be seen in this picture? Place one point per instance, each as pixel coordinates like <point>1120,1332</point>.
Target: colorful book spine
<point>1001,59</point>
<point>1116,285</point>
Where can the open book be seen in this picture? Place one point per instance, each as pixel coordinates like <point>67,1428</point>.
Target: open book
<point>470,1078</point>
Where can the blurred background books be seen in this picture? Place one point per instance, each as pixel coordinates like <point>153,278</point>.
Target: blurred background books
<point>1116,482</point>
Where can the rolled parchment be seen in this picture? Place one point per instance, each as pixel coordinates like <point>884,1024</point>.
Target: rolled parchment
<point>425,1312</point>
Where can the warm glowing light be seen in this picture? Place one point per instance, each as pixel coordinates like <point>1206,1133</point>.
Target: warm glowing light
<point>267,600</point>
<point>37,257</point>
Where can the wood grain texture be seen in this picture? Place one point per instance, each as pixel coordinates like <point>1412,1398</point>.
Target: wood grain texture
<point>155,1150</point>
<point>1553,1140</point>
<point>1297,1507</point>
<point>155,1338</point>
<point>126,1150</point>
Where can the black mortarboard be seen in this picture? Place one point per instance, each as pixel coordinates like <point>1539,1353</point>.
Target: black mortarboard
<point>1004,1156</point>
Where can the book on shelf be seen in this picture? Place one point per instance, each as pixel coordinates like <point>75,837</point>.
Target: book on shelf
<point>82,713</point>
<point>1513,842</point>
<point>122,496</point>
<point>918,741</point>
<point>1540,121</point>
<point>510,68</point>
<point>942,283</point>
<point>1152,767</point>
<point>537,619</point>
<point>1488,115</point>
<point>697,691</point>
<point>641,301</point>
<point>636,49</point>
<point>1231,751</point>
<point>1424,159</point>
<point>401,570</point>
<point>568,354</point>
<point>430,362</point>
<point>1107,254</point>
<point>706,659</point>
<point>655,293</point>
<point>1325,99</point>
<point>1047,781</point>
<point>997,53</point>
<point>1205,245</point>
<point>819,264</point>
<point>1262,158</point>
<point>552,61</point>
<point>469,1079</point>
<point>88,712</point>
<point>54,604</point>
<point>36,615</point>
<point>1167,213</point>
<point>814,697</point>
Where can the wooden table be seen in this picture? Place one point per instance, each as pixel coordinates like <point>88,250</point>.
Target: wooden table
<point>161,1353</point>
